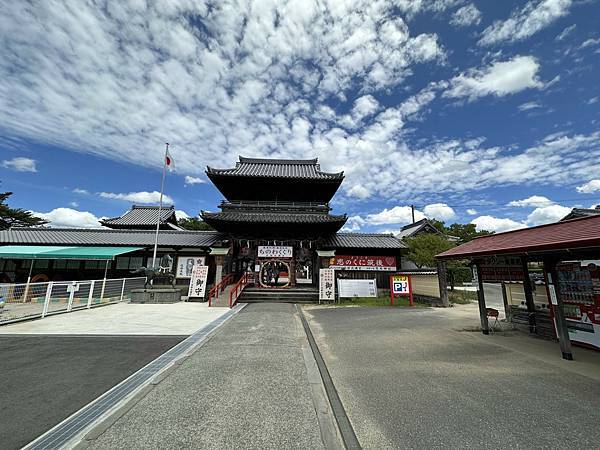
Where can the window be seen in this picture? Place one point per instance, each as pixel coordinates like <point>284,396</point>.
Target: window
<point>129,262</point>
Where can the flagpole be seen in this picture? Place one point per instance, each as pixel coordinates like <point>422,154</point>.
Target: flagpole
<point>162,187</point>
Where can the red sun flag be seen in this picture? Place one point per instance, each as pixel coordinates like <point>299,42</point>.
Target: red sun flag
<point>169,161</point>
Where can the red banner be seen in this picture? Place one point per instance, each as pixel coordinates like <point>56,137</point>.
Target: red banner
<point>381,263</point>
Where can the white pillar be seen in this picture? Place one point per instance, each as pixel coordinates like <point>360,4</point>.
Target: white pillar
<point>28,281</point>
<point>91,294</point>
<point>104,281</point>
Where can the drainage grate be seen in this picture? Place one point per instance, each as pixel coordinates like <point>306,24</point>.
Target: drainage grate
<point>86,417</point>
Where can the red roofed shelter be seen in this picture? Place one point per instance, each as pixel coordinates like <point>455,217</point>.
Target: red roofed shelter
<point>570,253</point>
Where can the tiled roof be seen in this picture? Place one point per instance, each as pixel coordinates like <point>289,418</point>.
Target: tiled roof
<point>363,240</point>
<point>277,168</point>
<point>570,234</point>
<point>582,212</point>
<point>272,217</point>
<point>142,216</point>
<point>76,236</point>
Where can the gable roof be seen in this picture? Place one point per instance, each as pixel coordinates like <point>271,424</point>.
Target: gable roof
<point>143,217</point>
<point>570,234</point>
<point>277,168</point>
<point>414,228</point>
<point>101,237</point>
<point>581,212</point>
<point>363,240</point>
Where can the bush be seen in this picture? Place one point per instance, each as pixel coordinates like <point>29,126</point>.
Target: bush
<point>462,297</point>
<point>459,275</point>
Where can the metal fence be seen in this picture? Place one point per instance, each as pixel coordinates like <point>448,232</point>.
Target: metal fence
<point>20,301</point>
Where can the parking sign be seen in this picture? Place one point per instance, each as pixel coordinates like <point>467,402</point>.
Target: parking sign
<point>400,285</point>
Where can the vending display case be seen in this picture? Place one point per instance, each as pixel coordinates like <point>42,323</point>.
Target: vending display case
<point>579,290</point>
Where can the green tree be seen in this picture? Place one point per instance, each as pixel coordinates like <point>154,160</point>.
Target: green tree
<point>465,232</point>
<point>423,248</point>
<point>194,224</point>
<point>16,217</point>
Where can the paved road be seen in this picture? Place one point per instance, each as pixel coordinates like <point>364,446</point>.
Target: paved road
<point>408,381</point>
<point>247,387</point>
<point>46,378</point>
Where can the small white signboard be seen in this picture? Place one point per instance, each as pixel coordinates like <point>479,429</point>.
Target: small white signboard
<point>198,282</point>
<point>552,291</point>
<point>185,265</point>
<point>326,284</point>
<point>274,251</point>
<point>357,288</point>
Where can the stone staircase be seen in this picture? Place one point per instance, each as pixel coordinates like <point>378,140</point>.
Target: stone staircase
<point>284,295</point>
<point>223,299</point>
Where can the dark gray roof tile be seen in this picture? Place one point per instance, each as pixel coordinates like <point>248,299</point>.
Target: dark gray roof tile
<point>363,240</point>
<point>277,168</point>
<point>76,236</point>
<point>144,216</point>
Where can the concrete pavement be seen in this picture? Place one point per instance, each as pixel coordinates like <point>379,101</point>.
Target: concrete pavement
<point>47,378</point>
<point>180,318</point>
<point>411,379</point>
<point>247,387</point>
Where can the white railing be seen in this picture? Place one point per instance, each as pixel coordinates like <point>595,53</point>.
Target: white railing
<point>20,301</point>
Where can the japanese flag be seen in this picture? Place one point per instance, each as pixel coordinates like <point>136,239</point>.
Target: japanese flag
<point>169,161</point>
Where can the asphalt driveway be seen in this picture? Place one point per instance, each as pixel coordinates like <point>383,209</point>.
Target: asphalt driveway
<point>409,379</point>
<point>47,378</point>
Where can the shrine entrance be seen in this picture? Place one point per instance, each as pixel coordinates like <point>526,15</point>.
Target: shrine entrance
<point>274,274</point>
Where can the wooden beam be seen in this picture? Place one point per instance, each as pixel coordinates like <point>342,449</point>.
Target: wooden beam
<point>528,295</point>
<point>441,271</point>
<point>557,308</point>
<point>485,326</point>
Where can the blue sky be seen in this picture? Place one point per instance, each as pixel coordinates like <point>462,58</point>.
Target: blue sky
<point>484,112</point>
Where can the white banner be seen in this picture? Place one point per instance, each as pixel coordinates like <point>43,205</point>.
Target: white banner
<point>185,265</point>
<point>198,282</point>
<point>327,284</point>
<point>274,251</point>
<point>357,288</point>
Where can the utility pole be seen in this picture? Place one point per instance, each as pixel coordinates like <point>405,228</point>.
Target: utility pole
<point>412,210</point>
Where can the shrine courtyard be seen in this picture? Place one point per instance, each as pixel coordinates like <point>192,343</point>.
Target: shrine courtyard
<point>404,377</point>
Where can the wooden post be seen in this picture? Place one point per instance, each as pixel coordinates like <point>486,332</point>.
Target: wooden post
<point>562,331</point>
<point>485,326</point>
<point>441,272</point>
<point>507,310</point>
<point>528,295</point>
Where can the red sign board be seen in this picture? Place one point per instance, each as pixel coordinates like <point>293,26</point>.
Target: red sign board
<point>380,263</point>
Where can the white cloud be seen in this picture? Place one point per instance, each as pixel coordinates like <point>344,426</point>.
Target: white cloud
<point>20,164</point>
<point>529,106</point>
<point>73,204</point>
<point>501,78</point>
<point>589,187</point>
<point>525,22</point>
<point>547,214</point>
<point>181,214</point>
<point>81,191</point>
<point>142,197</point>
<point>466,15</point>
<point>590,43</point>
<point>261,80</point>
<point>565,32</point>
<point>495,224</point>
<point>354,223</point>
<point>440,211</point>
<point>534,200</point>
<point>471,212</point>
<point>359,191</point>
<point>193,180</point>
<point>70,218</point>
<point>397,214</point>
